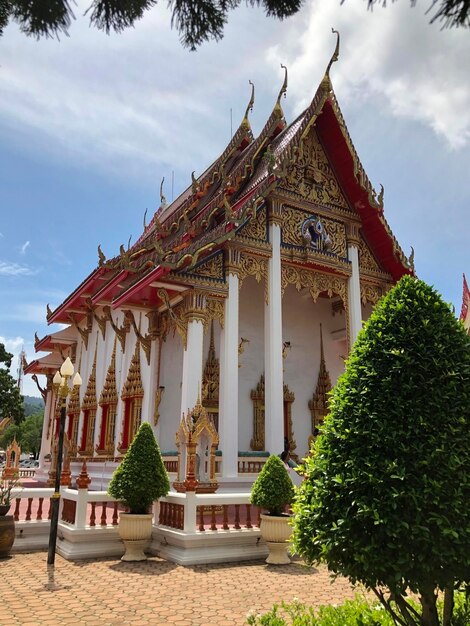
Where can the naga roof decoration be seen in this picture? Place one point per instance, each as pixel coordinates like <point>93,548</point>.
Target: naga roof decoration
<point>228,195</point>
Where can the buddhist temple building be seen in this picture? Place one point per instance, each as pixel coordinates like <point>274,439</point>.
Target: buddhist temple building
<point>243,297</point>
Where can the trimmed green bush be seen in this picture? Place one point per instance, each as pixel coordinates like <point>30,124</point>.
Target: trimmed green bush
<point>141,478</point>
<point>357,612</point>
<point>386,498</point>
<point>273,488</point>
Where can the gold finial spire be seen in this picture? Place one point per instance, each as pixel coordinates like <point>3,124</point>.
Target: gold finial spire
<point>245,122</point>
<point>334,57</point>
<point>282,92</point>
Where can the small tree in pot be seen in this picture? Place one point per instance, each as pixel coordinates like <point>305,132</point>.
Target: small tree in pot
<point>273,490</point>
<point>140,479</point>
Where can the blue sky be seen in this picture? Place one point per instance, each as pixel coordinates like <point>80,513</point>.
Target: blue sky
<point>91,123</point>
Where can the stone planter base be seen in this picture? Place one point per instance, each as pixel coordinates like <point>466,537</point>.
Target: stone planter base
<point>136,533</point>
<point>276,531</point>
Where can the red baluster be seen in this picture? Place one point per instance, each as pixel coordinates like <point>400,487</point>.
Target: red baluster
<point>248,516</point>
<point>93,514</point>
<point>16,514</point>
<point>213,524</point>
<point>115,514</point>
<point>201,518</point>
<point>237,517</point>
<point>28,510</point>
<point>103,515</point>
<point>225,523</point>
<point>39,513</point>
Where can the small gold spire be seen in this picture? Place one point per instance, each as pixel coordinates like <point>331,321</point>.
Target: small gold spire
<point>282,92</point>
<point>245,122</point>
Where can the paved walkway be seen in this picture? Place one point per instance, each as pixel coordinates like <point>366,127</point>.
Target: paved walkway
<point>155,592</point>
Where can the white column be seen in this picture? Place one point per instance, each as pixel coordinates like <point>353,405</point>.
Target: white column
<point>354,294</point>
<point>274,404</point>
<point>228,393</point>
<point>192,365</point>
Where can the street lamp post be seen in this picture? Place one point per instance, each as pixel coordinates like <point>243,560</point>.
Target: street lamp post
<point>62,390</point>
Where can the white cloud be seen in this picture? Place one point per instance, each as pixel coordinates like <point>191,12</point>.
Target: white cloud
<point>25,246</point>
<point>14,269</point>
<point>420,70</point>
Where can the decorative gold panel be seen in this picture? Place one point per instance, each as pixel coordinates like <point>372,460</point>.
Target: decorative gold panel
<point>312,177</point>
<point>256,267</point>
<point>367,262</point>
<point>213,268</point>
<point>315,282</point>
<point>371,292</point>
<point>292,220</point>
<point>318,405</point>
<point>257,395</point>
<point>256,227</point>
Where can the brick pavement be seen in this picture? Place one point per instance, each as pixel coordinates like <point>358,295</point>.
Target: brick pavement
<point>109,592</point>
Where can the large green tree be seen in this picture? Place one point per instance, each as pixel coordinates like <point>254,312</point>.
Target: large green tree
<point>387,490</point>
<point>11,402</point>
<point>196,20</point>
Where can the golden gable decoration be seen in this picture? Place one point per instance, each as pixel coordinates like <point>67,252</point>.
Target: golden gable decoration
<point>312,177</point>
<point>212,268</point>
<point>367,262</point>
<point>292,221</point>
<point>256,227</point>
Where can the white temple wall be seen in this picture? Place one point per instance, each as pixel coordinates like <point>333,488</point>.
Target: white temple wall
<point>251,327</point>
<point>301,319</point>
<point>170,377</point>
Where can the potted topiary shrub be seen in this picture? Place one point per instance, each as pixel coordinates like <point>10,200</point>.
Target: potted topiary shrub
<point>140,479</point>
<point>272,491</point>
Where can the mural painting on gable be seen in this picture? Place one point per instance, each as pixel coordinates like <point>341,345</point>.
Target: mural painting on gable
<point>312,177</point>
<point>314,232</point>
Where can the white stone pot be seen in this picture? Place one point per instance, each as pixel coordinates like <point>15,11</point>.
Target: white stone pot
<point>276,531</point>
<point>136,532</point>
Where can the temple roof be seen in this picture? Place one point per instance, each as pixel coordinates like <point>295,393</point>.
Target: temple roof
<point>227,195</point>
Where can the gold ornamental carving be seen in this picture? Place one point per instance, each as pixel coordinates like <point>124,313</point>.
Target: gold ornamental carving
<point>367,262</point>
<point>216,310</point>
<point>372,292</point>
<point>211,382</point>
<point>312,177</point>
<point>293,220</point>
<point>318,405</point>
<point>173,319</point>
<point>257,267</point>
<point>213,268</point>
<point>315,282</point>
<point>133,386</point>
<point>257,395</point>
<point>256,227</point>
